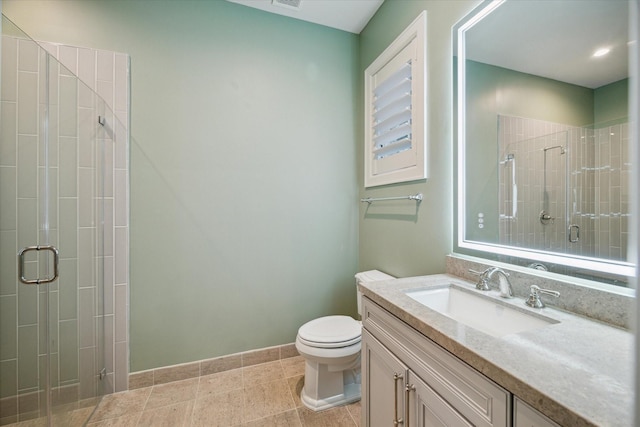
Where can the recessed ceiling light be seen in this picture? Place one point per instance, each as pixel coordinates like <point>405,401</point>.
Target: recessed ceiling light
<point>601,52</point>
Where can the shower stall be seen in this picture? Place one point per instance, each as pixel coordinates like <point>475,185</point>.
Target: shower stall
<point>56,238</point>
<point>563,188</point>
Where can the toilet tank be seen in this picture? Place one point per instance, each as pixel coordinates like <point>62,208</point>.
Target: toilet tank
<point>367,277</point>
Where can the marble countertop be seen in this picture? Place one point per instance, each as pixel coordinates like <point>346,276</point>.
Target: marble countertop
<point>578,372</point>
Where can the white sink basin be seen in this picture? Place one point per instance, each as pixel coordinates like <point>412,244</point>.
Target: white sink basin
<point>479,312</point>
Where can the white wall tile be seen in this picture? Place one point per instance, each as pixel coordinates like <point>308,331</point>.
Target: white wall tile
<point>121,80</point>
<point>88,120</point>
<point>8,268</point>
<point>27,103</point>
<point>27,166</point>
<point>9,69</point>
<point>86,197</point>
<point>121,313</point>
<point>108,167</point>
<point>121,366</point>
<point>106,91</point>
<point>121,255</point>
<point>28,53</point>
<point>68,289</point>
<point>9,134</point>
<point>88,373</point>
<point>86,254</point>
<point>68,57</point>
<point>8,195</point>
<point>87,67</point>
<point>27,222</point>
<point>121,206</point>
<point>68,224</point>
<point>68,105</point>
<point>86,313</point>
<point>108,284</point>
<point>105,63</point>
<point>68,166</point>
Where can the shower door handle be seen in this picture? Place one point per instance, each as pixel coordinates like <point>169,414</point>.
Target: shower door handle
<point>38,281</point>
<point>572,228</point>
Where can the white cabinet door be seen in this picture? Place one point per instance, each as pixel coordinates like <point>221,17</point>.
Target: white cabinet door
<point>525,416</point>
<point>383,384</point>
<point>427,409</point>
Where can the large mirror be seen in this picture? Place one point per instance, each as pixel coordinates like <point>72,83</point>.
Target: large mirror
<point>543,136</point>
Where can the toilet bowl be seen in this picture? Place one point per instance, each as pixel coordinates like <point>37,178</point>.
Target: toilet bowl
<point>331,346</point>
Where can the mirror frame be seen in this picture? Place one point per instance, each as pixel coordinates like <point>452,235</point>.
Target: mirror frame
<point>530,255</point>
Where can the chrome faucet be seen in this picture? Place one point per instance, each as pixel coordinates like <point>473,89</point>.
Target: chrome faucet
<point>505,288</point>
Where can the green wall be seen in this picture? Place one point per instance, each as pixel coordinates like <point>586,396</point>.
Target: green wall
<point>243,170</point>
<point>398,237</point>
<point>611,103</point>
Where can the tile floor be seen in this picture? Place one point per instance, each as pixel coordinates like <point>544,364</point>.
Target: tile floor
<point>262,395</point>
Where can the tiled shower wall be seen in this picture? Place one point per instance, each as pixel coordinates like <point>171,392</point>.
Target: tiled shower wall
<point>596,168</point>
<point>74,226</point>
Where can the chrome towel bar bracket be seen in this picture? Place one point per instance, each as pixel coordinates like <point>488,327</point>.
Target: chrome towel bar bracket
<point>416,197</point>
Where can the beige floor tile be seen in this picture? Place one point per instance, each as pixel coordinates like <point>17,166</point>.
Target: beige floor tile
<point>262,400</point>
<point>119,404</point>
<point>293,366</point>
<point>126,421</point>
<point>178,415</point>
<point>220,382</point>
<point>285,419</point>
<point>334,417</point>
<point>75,418</point>
<point>295,387</point>
<point>355,410</point>
<point>172,393</point>
<point>36,422</point>
<point>263,373</point>
<point>222,409</point>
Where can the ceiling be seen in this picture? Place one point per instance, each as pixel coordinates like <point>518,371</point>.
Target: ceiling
<point>555,39</point>
<point>346,15</point>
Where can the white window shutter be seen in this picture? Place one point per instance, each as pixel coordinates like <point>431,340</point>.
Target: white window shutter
<point>395,119</point>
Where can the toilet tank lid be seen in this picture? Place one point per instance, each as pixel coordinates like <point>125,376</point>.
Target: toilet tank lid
<point>372,276</point>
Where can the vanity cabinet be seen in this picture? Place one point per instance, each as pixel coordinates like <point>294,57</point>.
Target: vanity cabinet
<point>396,395</point>
<point>410,381</point>
<point>525,416</point>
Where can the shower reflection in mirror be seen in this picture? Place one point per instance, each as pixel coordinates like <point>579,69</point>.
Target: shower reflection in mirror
<point>564,188</point>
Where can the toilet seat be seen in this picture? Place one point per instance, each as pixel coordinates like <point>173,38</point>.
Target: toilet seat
<point>331,332</point>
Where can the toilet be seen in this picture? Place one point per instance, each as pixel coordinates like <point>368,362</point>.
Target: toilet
<point>330,346</point>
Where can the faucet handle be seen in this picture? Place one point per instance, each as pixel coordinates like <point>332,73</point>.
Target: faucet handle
<point>483,283</point>
<point>534,297</point>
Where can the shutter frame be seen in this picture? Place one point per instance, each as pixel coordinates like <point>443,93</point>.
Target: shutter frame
<point>395,118</point>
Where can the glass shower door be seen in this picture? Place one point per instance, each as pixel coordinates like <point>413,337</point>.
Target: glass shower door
<point>51,239</point>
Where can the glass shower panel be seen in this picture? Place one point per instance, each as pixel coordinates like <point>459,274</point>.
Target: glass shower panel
<point>533,192</point>
<point>54,192</point>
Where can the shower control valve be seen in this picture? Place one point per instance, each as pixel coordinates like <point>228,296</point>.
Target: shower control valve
<point>545,218</point>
